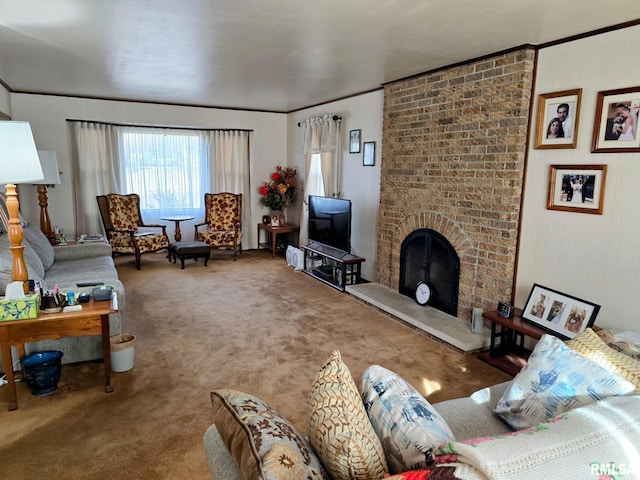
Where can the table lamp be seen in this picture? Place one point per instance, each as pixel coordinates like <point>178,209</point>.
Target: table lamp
<point>19,163</point>
<point>49,163</point>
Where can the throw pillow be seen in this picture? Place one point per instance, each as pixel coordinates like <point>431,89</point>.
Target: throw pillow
<point>556,379</point>
<point>338,427</point>
<point>263,443</point>
<point>405,422</point>
<point>589,344</point>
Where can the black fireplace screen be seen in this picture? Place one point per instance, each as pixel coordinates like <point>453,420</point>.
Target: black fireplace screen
<point>427,256</point>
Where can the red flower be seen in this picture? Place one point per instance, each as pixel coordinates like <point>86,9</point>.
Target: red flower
<point>264,190</point>
<point>275,176</point>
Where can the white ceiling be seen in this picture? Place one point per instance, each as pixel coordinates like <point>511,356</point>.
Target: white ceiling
<point>275,55</point>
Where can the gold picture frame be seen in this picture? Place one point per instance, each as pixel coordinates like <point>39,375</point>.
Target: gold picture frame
<point>616,123</point>
<point>577,188</point>
<point>558,119</point>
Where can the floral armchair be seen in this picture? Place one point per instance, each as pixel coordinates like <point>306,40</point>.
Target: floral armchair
<point>223,220</point>
<point>121,219</point>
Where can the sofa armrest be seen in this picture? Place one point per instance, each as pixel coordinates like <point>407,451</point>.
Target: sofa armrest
<point>221,463</point>
<point>82,250</point>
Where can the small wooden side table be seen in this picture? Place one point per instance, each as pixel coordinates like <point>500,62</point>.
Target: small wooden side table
<point>272,234</point>
<point>93,319</point>
<point>177,219</point>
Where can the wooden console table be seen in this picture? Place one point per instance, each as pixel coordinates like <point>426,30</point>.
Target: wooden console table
<point>272,234</point>
<point>93,319</point>
<point>507,351</point>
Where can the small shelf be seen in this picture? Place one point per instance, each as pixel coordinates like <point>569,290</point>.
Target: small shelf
<point>334,267</point>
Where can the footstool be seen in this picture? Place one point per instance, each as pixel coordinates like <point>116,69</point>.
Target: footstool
<point>184,250</point>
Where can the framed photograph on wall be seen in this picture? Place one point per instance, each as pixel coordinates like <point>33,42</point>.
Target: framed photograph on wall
<point>616,123</point>
<point>369,155</point>
<point>354,141</point>
<point>577,188</point>
<point>563,315</point>
<point>558,119</point>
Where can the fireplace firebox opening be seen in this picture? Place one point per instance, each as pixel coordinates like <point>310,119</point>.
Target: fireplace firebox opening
<point>427,256</point>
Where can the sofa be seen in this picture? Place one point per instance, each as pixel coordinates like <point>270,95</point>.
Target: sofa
<point>65,266</point>
<point>572,412</point>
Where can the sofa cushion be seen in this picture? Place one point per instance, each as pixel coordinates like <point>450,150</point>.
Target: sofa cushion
<point>623,346</point>
<point>40,244</point>
<point>556,379</point>
<point>338,427</point>
<point>263,443</point>
<point>407,425</point>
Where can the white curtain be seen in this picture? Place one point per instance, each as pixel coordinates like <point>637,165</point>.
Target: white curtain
<point>95,171</point>
<point>229,160</point>
<point>323,163</point>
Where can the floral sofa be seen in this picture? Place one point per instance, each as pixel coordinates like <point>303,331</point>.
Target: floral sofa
<point>572,412</point>
<point>65,266</point>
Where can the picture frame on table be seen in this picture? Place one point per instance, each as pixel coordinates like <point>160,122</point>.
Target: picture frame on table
<point>354,141</point>
<point>275,221</point>
<point>558,119</point>
<point>563,315</point>
<point>369,154</point>
<point>616,123</point>
<point>577,188</point>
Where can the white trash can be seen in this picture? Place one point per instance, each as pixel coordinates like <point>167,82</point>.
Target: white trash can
<point>122,352</point>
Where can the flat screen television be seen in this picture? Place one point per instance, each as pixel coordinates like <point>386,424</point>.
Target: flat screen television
<point>330,222</point>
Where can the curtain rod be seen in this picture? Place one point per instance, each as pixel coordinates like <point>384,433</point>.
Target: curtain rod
<point>163,127</point>
<point>335,117</point>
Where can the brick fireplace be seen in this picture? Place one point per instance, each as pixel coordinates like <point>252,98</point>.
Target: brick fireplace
<point>453,158</point>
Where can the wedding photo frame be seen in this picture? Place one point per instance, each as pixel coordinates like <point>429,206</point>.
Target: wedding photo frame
<point>369,155</point>
<point>354,141</point>
<point>616,123</point>
<point>563,315</point>
<point>558,119</point>
<point>577,188</point>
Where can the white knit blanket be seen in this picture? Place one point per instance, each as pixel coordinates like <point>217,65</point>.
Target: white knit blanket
<point>598,439</point>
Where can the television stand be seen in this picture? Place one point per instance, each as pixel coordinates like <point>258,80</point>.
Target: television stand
<point>334,267</point>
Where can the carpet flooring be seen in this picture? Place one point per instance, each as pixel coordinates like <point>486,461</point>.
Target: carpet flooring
<point>253,325</point>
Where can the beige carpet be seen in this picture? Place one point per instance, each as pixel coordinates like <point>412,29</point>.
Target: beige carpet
<point>253,325</point>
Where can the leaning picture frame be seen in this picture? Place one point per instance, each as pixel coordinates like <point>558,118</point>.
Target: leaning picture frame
<point>616,123</point>
<point>354,141</point>
<point>577,188</point>
<point>563,315</point>
<point>558,119</point>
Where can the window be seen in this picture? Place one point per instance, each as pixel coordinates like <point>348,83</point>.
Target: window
<point>168,169</point>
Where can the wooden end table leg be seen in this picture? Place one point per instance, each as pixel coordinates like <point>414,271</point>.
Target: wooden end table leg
<point>106,353</point>
<point>273,244</point>
<point>8,366</point>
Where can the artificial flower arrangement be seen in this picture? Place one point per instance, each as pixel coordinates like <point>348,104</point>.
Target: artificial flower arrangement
<point>280,192</point>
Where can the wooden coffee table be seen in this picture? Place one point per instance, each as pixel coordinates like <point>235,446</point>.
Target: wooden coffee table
<point>93,319</point>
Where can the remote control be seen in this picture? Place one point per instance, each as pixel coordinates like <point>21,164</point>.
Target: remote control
<point>88,284</point>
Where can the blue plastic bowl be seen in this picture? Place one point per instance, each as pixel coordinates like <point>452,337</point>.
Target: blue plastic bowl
<point>42,371</point>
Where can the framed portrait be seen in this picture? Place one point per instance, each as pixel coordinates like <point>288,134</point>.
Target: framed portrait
<point>616,123</point>
<point>563,315</point>
<point>558,119</point>
<point>275,221</point>
<point>577,188</point>
<point>369,155</point>
<point>354,141</point>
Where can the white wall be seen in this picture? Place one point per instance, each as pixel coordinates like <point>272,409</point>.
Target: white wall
<point>5,103</point>
<point>360,184</point>
<point>593,257</point>
<point>48,114</point>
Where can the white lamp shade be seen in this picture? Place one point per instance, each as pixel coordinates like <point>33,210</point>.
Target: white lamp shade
<point>19,161</point>
<point>49,164</point>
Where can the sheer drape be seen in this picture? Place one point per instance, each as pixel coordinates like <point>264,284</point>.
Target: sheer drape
<point>95,171</point>
<point>323,163</point>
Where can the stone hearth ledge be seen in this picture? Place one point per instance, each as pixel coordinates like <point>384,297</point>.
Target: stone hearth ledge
<point>451,330</point>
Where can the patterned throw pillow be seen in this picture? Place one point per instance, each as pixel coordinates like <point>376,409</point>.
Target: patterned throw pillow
<point>556,379</point>
<point>338,427</point>
<point>264,445</point>
<point>408,426</point>
<point>589,344</point>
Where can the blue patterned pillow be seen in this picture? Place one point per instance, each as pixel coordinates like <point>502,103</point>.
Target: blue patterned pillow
<point>407,425</point>
<point>556,379</point>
